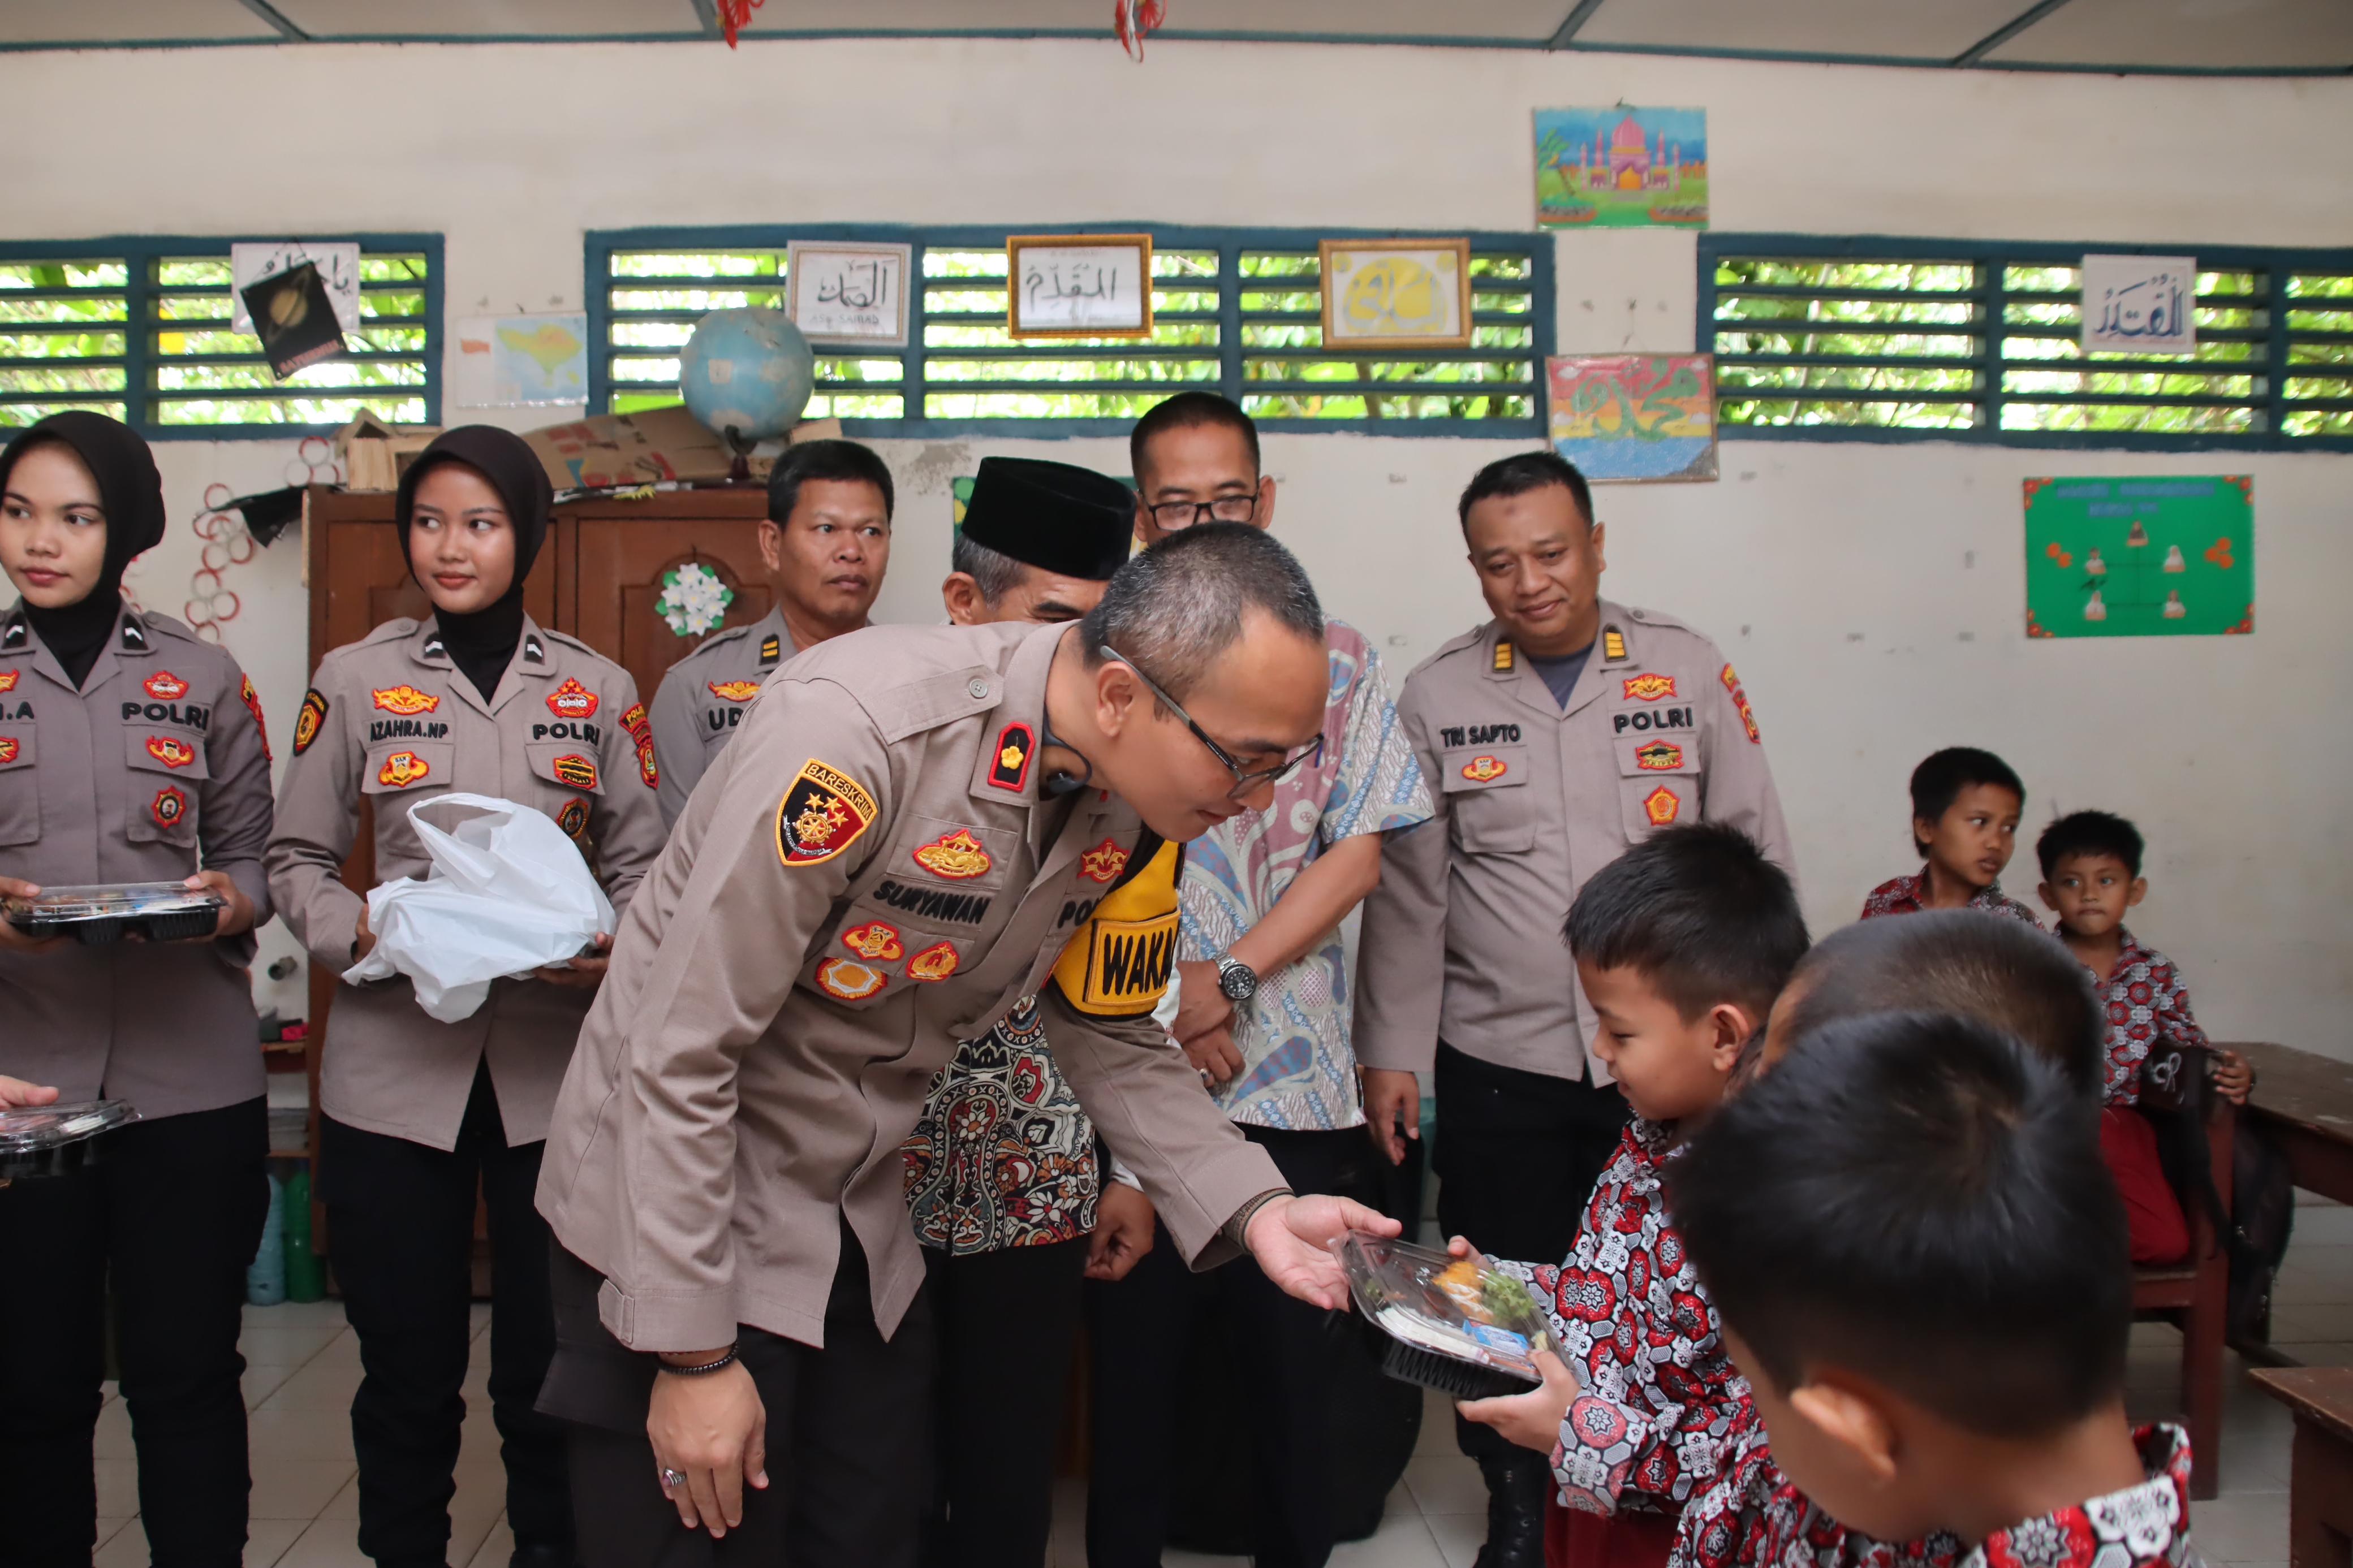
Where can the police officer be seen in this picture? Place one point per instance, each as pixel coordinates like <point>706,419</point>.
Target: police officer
<point>130,751</point>
<point>1554,736</point>
<point>826,542</point>
<point>891,856</point>
<point>417,1112</point>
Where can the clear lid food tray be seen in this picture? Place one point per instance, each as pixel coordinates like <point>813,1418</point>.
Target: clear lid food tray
<point>115,899</point>
<point>1455,1307</point>
<point>32,1129</point>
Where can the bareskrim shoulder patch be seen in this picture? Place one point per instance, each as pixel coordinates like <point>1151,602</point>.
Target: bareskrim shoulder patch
<point>307,723</point>
<point>822,814</point>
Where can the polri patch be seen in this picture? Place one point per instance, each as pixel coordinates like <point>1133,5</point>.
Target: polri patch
<point>404,701</point>
<point>733,690</point>
<point>1009,768</point>
<point>171,750</point>
<point>169,805</point>
<point>1662,805</point>
<point>1479,770</point>
<point>937,962</point>
<point>165,686</point>
<point>307,723</point>
<point>575,770</point>
<point>958,856</point>
<point>572,700</point>
<point>822,814</point>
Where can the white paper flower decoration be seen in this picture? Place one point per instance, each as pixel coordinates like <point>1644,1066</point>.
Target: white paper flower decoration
<point>693,600</point>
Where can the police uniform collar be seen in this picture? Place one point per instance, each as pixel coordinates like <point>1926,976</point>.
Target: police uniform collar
<point>132,636</point>
<point>425,647</point>
<point>1007,769</point>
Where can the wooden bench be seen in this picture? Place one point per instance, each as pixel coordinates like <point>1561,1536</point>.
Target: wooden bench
<point>2306,1102</point>
<point>2194,1295</point>
<point>2320,1483</point>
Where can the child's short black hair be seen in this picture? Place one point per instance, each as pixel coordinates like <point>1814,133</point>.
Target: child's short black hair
<point>1998,971</point>
<point>1941,777</point>
<point>1520,473</point>
<point>1915,1197</point>
<point>2088,832</point>
<point>1700,912</point>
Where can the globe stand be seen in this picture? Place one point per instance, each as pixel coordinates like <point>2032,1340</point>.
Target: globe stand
<point>739,472</point>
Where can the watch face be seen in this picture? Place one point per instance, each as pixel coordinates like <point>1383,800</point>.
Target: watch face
<point>1239,982</point>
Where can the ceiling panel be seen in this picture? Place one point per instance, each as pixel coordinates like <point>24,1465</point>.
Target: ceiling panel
<point>124,21</point>
<point>1887,29</point>
<point>1518,21</point>
<point>489,18</point>
<point>2233,34</point>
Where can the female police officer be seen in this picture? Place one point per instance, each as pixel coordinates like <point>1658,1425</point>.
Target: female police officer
<point>416,1111</point>
<point>130,751</point>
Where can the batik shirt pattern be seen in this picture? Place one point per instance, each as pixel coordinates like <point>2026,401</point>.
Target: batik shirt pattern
<point>1750,1516</point>
<point>1908,895</point>
<point>2143,1526</point>
<point>1003,1157</point>
<point>1298,1069</point>
<point>1657,1393</point>
<point>2145,1002</point>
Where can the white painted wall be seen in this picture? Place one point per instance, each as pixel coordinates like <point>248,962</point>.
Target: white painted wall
<point>1872,596</point>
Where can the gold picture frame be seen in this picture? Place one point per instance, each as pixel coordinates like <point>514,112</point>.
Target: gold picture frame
<point>1101,286</point>
<point>1403,283</point>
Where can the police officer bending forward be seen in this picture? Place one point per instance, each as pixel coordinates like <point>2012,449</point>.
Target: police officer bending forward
<point>724,1172</point>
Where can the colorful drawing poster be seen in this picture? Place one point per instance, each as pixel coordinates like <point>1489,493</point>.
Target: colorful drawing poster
<point>2153,556</point>
<point>513,362</point>
<point>1633,417</point>
<point>1621,168</point>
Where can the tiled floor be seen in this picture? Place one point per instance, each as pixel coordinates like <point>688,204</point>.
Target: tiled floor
<point>305,1365</point>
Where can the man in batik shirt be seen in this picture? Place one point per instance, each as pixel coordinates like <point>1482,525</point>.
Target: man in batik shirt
<point>1263,1013</point>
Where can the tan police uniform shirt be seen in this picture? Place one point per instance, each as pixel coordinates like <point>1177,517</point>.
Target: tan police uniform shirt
<point>393,721</point>
<point>703,697</point>
<point>867,877</point>
<point>156,768</point>
<point>1461,940</point>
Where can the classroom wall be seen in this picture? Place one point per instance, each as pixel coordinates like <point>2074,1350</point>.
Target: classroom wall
<point>1872,596</point>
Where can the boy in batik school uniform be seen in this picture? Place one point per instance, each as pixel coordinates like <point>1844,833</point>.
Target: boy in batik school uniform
<point>1966,804</point>
<point>1885,1218</point>
<point>1681,943</point>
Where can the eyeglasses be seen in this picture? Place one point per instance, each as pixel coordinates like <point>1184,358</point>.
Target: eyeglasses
<point>1172,515</point>
<point>1245,781</point>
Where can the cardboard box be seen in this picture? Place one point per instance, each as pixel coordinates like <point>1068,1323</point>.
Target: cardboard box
<point>373,454</point>
<point>618,450</point>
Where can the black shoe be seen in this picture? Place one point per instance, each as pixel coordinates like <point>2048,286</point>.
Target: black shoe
<point>1518,1487</point>
<point>543,1555</point>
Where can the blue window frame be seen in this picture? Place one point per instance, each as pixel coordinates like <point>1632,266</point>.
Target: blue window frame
<point>1880,339</point>
<point>1235,311</point>
<point>138,327</point>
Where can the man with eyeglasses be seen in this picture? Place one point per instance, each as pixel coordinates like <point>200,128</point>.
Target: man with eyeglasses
<point>894,852</point>
<point>1264,1015</point>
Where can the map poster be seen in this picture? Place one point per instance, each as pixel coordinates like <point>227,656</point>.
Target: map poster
<point>1634,418</point>
<point>2155,555</point>
<point>1621,168</point>
<point>513,362</point>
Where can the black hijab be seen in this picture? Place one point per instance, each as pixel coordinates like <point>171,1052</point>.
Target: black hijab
<point>481,643</point>
<point>132,492</point>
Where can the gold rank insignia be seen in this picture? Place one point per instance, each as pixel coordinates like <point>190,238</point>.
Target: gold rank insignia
<point>958,856</point>
<point>771,649</point>
<point>1503,656</point>
<point>1613,644</point>
<point>821,815</point>
<point>1010,767</point>
<point>1662,805</point>
<point>937,962</point>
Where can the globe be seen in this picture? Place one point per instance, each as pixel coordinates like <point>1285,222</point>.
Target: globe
<point>747,373</point>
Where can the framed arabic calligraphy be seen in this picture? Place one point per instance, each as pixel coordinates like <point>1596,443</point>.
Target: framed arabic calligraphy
<point>1077,285</point>
<point>2140,304</point>
<point>1397,293</point>
<point>845,294</point>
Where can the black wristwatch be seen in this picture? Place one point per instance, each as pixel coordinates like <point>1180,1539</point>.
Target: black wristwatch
<point>1236,980</point>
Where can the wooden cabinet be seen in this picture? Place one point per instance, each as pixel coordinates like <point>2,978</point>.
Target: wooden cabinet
<point>597,578</point>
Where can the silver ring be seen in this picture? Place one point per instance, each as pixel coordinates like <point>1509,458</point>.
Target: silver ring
<point>1206,1079</point>
<point>673,1478</point>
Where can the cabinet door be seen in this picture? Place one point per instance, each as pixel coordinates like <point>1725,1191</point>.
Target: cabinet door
<point>618,562</point>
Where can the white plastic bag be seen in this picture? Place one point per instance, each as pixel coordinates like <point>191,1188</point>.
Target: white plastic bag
<point>507,894</point>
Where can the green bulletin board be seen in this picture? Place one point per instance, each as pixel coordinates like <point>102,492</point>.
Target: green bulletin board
<point>2150,557</point>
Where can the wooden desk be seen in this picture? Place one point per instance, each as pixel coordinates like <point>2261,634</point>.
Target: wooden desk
<point>2320,1485</point>
<point>2305,1102</point>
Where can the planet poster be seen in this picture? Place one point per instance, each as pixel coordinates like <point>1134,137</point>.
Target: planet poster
<point>1621,168</point>
<point>2152,555</point>
<point>1633,418</point>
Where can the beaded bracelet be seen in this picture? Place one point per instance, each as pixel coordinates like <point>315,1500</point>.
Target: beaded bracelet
<point>705,1369</point>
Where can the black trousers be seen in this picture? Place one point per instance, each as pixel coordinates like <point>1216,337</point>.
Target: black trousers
<point>1141,1328</point>
<point>848,1438</point>
<point>1007,1321</point>
<point>174,1209</point>
<point>1518,1156</point>
<point>401,1228</point>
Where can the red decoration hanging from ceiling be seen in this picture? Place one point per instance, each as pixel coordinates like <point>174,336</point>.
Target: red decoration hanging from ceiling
<point>736,15</point>
<point>1130,21</point>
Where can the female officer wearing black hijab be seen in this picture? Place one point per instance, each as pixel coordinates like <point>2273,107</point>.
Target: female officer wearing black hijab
<point>130,751</point>
<point>417,1113</point>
